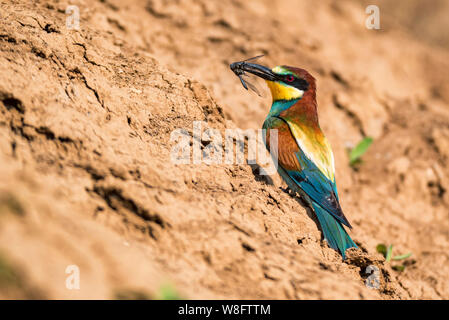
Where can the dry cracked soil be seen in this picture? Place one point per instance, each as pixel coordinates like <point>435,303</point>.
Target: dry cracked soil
<point>86,179</point>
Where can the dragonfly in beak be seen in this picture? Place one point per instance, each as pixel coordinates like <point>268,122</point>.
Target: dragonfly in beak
<point>244,69</point>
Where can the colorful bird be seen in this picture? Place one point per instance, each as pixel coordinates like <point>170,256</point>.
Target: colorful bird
<point>304,156</point>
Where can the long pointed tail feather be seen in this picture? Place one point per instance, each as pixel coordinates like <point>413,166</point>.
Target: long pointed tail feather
<point>333,231</point>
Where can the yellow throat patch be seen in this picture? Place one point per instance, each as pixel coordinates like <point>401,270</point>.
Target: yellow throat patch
<point>282,91</point>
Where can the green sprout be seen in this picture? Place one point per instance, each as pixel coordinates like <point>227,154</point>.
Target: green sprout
<point>387,252</point>
<point>131,294</point>
<point>402,257</point>
<point>359,150</point>
<point>8,275</point>
<point>165,292</point>
<point>168,292</point>
<point>9,203</point>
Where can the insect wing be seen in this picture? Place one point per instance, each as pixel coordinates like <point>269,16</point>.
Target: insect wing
<point>243,81</point>
<point>251,81</point>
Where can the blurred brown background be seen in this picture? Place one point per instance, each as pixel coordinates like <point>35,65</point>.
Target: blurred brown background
<point>426,21</point>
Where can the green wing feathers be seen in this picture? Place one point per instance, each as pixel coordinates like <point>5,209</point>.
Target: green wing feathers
<point>312,171</point>
<point>333,231</point>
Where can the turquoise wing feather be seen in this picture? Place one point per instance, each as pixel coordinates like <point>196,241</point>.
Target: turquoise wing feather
<point>304,176</point>
<point>318,187</point>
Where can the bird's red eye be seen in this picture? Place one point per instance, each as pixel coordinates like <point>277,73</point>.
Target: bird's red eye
<point>290,78</point>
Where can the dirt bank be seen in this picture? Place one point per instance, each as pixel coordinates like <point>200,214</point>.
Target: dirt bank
<point>86,178</point>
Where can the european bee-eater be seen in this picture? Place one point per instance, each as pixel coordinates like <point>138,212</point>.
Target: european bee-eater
<point>305,159</point>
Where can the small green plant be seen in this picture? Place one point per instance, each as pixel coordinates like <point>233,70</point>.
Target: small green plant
<point>359,150</point>
<point>165,292</point>
<point>9,203</point>
<point>131,294</point>
<point>168,292</point>
<point>387,252</point>
<point>8,275</point>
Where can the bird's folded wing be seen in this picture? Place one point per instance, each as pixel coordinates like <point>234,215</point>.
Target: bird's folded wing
<point>303,170</point>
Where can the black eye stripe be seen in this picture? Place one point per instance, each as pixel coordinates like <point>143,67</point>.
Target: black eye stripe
<point>298,83</point>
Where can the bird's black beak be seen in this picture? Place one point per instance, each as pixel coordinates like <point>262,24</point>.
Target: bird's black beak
<point>241,67</point>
